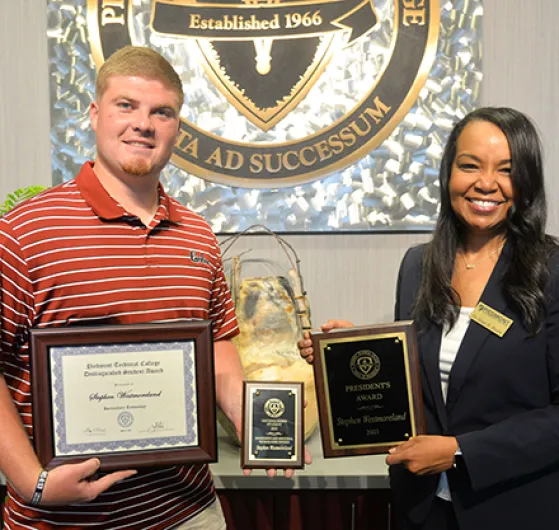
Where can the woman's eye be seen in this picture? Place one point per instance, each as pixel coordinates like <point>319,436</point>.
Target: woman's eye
<point>467,167</point>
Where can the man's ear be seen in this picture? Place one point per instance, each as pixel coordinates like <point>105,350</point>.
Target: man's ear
<point>177,134</point>
<point>94,115</point>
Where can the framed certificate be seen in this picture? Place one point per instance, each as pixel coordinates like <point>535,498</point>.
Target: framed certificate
<point>368,388</point>
<point>273,430</point>
<point>131,395</point>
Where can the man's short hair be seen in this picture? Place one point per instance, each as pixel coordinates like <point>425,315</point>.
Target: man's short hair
<point>140,62</point>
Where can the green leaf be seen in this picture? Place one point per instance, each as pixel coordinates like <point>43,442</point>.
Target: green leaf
<point>18,196</point>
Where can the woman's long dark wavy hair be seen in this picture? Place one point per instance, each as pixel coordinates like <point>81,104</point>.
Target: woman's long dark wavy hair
<point>527,274</point>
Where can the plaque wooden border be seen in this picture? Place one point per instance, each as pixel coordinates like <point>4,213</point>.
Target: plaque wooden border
<point>413,380</point>
<point>199,331</point>
<point>299,461</point>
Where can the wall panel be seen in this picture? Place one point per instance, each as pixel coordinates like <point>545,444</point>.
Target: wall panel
<point>347,276</point>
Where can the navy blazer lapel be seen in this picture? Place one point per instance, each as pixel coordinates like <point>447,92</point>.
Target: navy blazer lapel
<point>429,346</point>
<point>476,335</point>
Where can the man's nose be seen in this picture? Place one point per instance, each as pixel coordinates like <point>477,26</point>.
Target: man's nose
<point>143,122</point>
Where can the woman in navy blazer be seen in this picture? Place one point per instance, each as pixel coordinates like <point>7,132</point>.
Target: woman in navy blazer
<point>484,295</point>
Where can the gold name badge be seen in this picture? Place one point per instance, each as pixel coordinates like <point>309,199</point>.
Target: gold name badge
<point>490,319</point>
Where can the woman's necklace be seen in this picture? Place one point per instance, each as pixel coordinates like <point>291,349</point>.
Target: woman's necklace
<point>474,264</point>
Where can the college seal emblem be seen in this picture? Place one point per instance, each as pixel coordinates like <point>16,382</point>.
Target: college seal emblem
<point>125,419</point>
<point>274,407</point>
<point>365,364</point>
<point>267,59</point>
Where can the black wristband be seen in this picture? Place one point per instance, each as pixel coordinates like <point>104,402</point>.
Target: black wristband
<point>37,495</point>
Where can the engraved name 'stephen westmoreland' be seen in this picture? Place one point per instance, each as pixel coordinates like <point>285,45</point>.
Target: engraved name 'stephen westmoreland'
<point>264,56</point>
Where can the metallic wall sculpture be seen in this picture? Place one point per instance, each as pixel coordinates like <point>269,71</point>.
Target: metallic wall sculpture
<point>308,116</point>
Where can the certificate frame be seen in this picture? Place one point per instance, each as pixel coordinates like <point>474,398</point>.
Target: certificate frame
<point>358,342</point>
<point>249,458</point>
<point>190,341</point>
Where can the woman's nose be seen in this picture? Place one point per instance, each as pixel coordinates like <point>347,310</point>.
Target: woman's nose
<point>487,181</point>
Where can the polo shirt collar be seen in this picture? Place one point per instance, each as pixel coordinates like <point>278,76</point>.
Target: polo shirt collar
<point>105,207</point>
<point>171,207</point>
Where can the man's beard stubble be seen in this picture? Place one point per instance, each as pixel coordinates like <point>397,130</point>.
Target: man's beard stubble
<point>137,167</point>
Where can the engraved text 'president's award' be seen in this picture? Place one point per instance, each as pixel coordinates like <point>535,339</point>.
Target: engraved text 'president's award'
<point>368,388</point>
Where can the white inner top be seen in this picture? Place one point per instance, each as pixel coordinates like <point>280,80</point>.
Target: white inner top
<point>450,343</point>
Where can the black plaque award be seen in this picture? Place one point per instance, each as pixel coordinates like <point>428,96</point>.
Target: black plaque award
<point>272,425</point>
<point>368,388</point>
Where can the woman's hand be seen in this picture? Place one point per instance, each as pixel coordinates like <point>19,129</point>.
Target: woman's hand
<point>425,455</point>
<point>305,345</point>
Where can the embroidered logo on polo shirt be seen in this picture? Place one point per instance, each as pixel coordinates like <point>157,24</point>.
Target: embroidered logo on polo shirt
<point>198,257</point>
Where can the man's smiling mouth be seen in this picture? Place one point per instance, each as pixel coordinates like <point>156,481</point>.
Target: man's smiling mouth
<point>139,144</point>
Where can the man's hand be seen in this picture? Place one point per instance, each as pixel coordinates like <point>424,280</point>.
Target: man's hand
<point>425,455</point>
<point>305,345</point>
<point>74,483</point>
<point>287,473</point>
<point>229,387</point>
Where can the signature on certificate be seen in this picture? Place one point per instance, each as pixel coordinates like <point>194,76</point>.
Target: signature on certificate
<point>94,431</point>
<point>158,426</point>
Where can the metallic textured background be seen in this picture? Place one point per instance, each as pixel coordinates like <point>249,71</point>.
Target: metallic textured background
<point>394,187</point>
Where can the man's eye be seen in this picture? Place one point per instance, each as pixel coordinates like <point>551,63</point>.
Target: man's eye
<point>124,105</point>
<point>167,113</point>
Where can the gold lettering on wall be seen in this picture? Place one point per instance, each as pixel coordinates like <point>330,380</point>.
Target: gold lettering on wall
<point>109,14</point>
<point>414,12</point>
<point>234,160</point>
<point>187,144</point>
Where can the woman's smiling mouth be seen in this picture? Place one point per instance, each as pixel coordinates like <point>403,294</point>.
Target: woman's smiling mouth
<point>484,205</point>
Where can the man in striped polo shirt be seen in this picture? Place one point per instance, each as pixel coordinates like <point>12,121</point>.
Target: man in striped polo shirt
<point>110,247</point>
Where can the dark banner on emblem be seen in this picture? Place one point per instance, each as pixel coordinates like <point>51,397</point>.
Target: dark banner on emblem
<point>236,22</point>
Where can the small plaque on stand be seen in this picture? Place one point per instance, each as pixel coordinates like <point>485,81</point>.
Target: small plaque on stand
<point>368,388</point>
<point>272,425</point>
